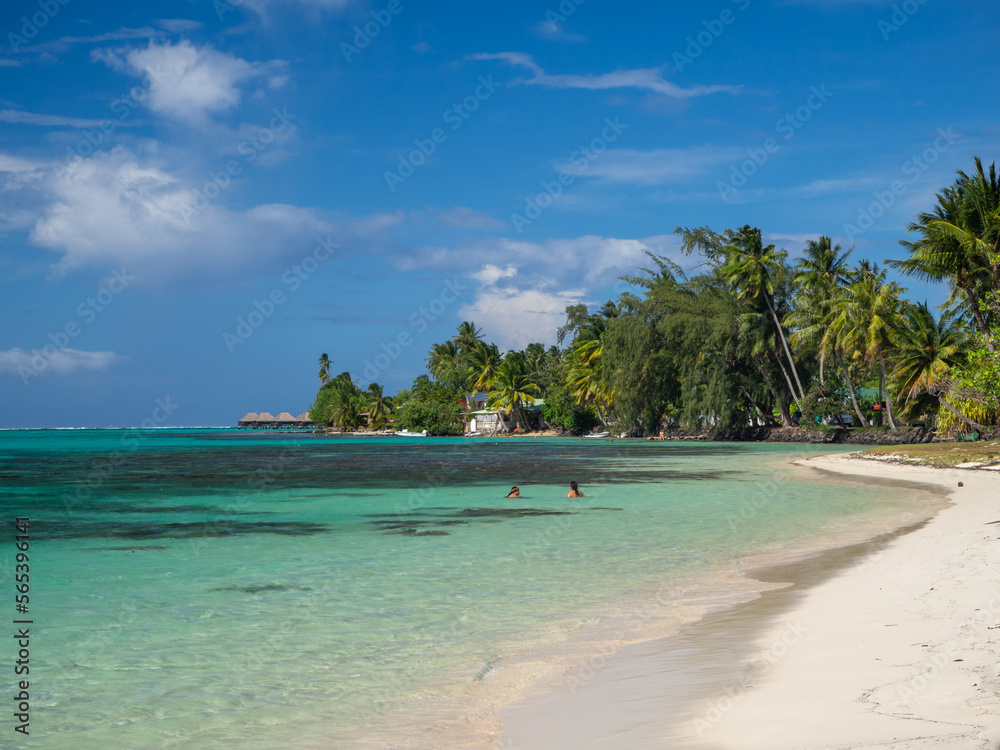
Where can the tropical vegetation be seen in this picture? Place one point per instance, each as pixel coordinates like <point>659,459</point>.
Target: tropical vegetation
<point>751,338</point>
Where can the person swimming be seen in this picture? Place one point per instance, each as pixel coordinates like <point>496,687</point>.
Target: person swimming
<point>515,491</point>
<point>574,490</point>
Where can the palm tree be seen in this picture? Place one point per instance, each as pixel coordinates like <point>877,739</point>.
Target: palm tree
<point>819,274</point>
<point>939,255</point>
<point>835,344</point>
<point>511,388</point>
<point>977,228</point>
<point>483,363</point>
<point>926,351</point>
<point>442,357</point>
<point>325,363</point>
<point>750,270</point>
<point>755,330</point>
<point>467,337</point>
<point>380,406</point>
<point>586,377</point>
<point>864,320</point>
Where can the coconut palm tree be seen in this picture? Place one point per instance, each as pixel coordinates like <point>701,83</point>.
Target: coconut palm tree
<point>819,274</point>
<point>442,357</point>
<point>925,351</point>
<point>380,406</point>
<point>751,270</point>
<point>483,363</point>
<point>511,388</point>
<point>467,337</point>
<point>586,379</point>
<point>938,255</point>
<point>977,228</point>
<point>864,319</point>
<point>325,363</point>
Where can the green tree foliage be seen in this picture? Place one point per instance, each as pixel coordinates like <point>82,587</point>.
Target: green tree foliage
<point>431,406</point>
<point>747,337</point>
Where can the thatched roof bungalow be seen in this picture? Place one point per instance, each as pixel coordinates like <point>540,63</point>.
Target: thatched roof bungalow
<point>284,421</point>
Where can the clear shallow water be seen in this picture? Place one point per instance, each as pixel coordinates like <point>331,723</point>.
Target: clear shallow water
<point>215,589</point>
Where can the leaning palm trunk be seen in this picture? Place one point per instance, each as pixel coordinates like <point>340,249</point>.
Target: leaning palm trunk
<point>784,342</point>
<point>854,398</point>
<point>786,418</point>
<point>961,416</point>
<point>788,380</point>
<point>888,396</point>
<point>977,313</point>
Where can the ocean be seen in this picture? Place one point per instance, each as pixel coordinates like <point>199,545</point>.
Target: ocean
<point>223,588</point>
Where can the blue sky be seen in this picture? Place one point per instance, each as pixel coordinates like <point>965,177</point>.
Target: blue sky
<point>199,198</point>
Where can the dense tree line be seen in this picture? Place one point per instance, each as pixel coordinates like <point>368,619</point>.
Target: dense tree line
<point>752,338</point>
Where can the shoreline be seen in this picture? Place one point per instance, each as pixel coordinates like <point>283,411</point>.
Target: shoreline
<point>860,649</point>
<point>472,716</point>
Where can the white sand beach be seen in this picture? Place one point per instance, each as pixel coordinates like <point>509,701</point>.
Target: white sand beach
<point>890,645</point>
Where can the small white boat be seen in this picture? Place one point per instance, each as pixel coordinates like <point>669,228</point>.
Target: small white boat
<point>406,433</point>
<point>599,435</point>
<point>474,434</point>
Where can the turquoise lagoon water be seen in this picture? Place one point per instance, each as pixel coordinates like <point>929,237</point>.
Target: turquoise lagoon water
<point>221,589</point>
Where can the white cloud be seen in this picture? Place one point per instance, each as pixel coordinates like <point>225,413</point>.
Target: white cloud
<point>490,274</point>
<point>650,79</point>
<point>261,7</point>
<point>575,262</point>
<point>188,81</point>
<point>514,318</point>
<point>35,118</point>
<point>113,209</point>
<point>51,361</point>
<point>113,36</point>
<point>120,208</point>
<point>655,166</point>
<point>17,164</point>
<point>556,33</point>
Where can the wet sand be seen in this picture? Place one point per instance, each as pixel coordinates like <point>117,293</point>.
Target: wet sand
<point>887,644</point>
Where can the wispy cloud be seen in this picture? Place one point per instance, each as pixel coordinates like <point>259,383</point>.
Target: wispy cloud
<point>58,362</point>
<point>556,33</point>
<point>190,81</point>
<point>649,79</point>
<point>655,166</point>
<point>57,121</point>
<point>17,164</point>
